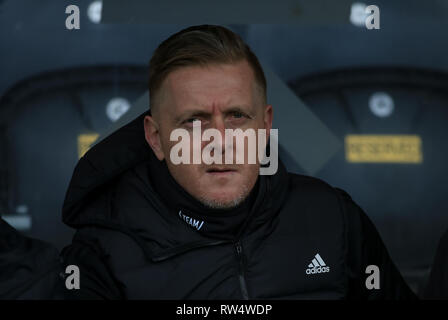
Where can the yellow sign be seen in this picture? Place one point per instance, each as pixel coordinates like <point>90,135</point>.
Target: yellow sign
<point>85,141</point>
<point>383,148</point>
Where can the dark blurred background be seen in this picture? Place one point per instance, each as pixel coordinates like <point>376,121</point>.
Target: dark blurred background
<point>365,110</point>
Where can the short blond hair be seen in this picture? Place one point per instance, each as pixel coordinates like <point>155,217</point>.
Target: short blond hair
<point>200,46</point>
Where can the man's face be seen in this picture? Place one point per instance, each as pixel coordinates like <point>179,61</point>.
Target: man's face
<point>221,96</point>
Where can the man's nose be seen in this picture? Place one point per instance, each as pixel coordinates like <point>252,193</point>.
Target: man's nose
<point>218,123</point>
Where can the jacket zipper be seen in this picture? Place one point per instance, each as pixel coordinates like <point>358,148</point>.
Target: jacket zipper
<point>242,279</point>
<point>196,245</point>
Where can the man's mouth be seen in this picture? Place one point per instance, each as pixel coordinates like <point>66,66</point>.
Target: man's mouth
<point>221,170</point>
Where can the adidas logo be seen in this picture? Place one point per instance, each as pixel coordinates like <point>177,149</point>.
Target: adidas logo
<point>317,266</point>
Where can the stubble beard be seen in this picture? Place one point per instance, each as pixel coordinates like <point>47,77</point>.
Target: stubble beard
<point>225,204</point>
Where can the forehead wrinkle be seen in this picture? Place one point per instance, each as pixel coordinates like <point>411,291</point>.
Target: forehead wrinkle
<point>191,90</point>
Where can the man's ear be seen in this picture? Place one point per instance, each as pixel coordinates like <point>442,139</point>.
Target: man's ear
<point>152,136</point>
<point>268,117</point>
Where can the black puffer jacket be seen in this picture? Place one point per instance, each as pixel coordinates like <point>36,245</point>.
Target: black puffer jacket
<point>437,286</point>
<point>29,268</point>
<point>302,238</point>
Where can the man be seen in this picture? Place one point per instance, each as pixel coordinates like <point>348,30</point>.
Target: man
<point>437,286</point>
<point>151,228</point>
<point>29,268</point>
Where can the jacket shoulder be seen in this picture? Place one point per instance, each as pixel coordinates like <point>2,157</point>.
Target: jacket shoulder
<point>313,206</point>
<point>312,188</point>
<point>297,180</point>
<point>316,189</point>
<point>29,267</point>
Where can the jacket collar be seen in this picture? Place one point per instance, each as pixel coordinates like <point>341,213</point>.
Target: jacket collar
<point>216,223</point>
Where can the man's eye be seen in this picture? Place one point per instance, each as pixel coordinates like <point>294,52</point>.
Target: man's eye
<point>191,120</point>
<point>238,115</point>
